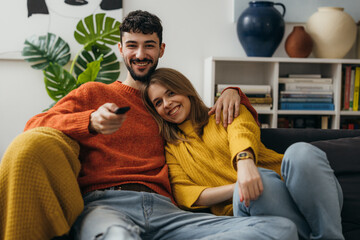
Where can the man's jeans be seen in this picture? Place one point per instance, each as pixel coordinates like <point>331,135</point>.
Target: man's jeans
<point>310,194</point>
<point>129,215</point>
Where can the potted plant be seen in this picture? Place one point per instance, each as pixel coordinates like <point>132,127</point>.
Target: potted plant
<point>95,61</point>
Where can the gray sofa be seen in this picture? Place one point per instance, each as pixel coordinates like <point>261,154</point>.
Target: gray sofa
<point>343,151</point>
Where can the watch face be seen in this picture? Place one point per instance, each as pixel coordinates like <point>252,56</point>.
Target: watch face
<point>243,155</point>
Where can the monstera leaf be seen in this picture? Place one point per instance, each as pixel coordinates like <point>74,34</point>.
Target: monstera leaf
<point>90,73</point>
<point>58,81</point>
<point>110,66</point>
<point>43,50</point>
<point>97,29</point>
<point>95,61</point>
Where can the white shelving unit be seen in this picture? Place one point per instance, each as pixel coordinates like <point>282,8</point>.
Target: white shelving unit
<point>258,70</point>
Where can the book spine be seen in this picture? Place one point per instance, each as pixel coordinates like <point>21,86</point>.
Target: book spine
<point>305,80</point>
<point>346,98</point>
<point>311,87</point>
<point>247,89</point>
<point>293,94</point>
<point>267,100</point>
<point>307,106</point>
<point>304,75</point>
<point>356,89</point>
<point>351,96</point>
<point>324,122</point>
<point>306,99</point>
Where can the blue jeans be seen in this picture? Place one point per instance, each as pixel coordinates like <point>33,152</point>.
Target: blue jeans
<point>310,194</point>
<point>134,215</point>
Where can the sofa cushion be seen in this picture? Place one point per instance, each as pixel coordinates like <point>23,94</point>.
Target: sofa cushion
<point>344,158</point>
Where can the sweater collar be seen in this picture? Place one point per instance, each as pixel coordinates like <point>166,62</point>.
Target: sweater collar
<point>186,127</point>
<point>128,89</point>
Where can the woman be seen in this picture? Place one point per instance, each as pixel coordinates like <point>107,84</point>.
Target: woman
<point>230,171</point>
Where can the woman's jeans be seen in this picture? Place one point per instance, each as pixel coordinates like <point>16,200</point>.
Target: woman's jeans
<point>310,194</point>
<point>129,215</point>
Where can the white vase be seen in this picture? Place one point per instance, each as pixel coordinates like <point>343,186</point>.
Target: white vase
<point>333,32</point>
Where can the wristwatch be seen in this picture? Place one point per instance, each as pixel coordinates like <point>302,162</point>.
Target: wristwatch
<point>244,155</point>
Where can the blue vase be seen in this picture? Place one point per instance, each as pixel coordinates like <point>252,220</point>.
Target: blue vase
<point>260,28</point>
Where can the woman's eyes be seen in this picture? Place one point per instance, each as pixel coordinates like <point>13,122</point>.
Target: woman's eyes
<point>171,94</point>
<point>157,103</point>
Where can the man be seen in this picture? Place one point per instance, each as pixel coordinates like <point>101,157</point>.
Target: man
<point>123,175</point>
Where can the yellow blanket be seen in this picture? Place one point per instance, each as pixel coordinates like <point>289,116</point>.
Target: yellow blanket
<point>39,194</point>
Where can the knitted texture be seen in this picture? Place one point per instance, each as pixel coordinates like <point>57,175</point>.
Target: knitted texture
<point>40,197</point>
<point>133,154</point>
<point>203,163</point>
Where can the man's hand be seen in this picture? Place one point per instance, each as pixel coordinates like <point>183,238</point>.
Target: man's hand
<point>249,179</point>
<point>229,103</point>
<point>104,120</point>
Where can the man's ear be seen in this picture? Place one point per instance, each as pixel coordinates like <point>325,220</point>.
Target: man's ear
<point>120,48</point>
<point>162,50</point>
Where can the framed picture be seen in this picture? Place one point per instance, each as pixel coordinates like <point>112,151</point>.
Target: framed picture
<point>20,20</point>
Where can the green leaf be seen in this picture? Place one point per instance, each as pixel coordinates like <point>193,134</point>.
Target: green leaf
<point>110,66</point>
<point>58,81</point>
<point>97,29</point>
<point>42,50</point>
<point>90,73</point>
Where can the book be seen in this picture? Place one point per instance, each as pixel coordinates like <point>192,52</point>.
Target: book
<point>305,94</point>
<point>324,122</point>
<point>356,89</point>
<point>304,75</point>
<point>263,100</point>
<point>306,99</point>
<point>351,95</point>
<point>347,80</point>
<point>313,87</point>
<point>307,106</point>
<point>305,80</point>
<point>262,107</point>
<point>257,95</point>
<point>247,89</point>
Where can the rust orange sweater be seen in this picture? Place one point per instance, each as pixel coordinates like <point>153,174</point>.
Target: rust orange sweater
<point>133,154</point>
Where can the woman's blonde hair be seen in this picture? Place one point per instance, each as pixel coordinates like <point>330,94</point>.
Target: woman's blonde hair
<point>179,84</point>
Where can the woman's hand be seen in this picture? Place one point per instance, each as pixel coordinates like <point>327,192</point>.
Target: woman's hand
<point>249,179</point>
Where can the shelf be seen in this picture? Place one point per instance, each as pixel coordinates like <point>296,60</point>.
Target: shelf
<point>307,112</point>
<point>264,70</point>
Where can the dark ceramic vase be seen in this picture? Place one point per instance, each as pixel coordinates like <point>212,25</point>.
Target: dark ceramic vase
<point>299,43</point>
<point>260,28</point>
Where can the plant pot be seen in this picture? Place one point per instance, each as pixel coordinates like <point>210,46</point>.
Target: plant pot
<point>260,28</point>
<point>333,32</point>
<point>299,43</point>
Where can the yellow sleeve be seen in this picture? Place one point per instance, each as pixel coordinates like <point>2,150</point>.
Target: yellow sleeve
<point>185,191</point>
<point>244,133</point>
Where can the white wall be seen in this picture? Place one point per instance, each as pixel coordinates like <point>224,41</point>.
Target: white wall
<point>193,30</point>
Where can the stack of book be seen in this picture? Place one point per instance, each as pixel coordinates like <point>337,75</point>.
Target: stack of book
<point>259,95</point>
<point>350,88</point>
<point>306,92</point>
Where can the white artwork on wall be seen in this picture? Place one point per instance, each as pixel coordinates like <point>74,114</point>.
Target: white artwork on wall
<point>20,20</point>
<point>299,11</point>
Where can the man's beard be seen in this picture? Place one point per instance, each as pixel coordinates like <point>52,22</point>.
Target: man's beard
<point>145,78</point>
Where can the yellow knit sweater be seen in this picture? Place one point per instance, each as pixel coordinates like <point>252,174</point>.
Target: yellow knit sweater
<point>203,163</point>
<point>40,197</point>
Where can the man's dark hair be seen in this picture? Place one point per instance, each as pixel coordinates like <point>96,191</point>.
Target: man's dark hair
<point>141,22</point>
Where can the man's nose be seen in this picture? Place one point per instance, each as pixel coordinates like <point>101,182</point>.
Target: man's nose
<point>140,54</point>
